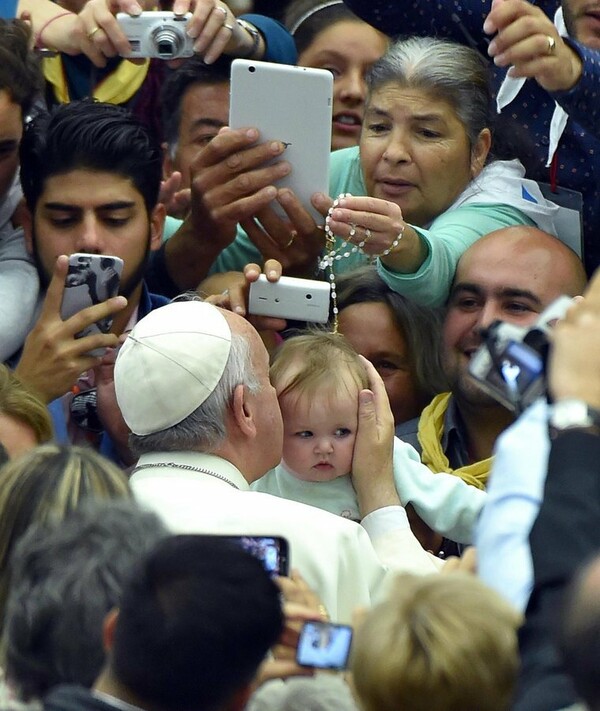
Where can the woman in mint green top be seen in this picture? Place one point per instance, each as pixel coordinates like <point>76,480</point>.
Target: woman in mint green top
<point>422,186</point>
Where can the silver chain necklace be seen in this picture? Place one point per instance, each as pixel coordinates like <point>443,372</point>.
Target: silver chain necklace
<point>187,467</point>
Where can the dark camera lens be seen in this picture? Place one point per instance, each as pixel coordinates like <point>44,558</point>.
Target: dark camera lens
<point>165,49</point>
<point>252,69</point>
<point>168,41</point>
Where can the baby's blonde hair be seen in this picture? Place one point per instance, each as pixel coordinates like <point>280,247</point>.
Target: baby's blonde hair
<point>316,362</point>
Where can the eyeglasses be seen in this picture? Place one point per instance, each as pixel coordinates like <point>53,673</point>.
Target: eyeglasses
<point>84,411</point>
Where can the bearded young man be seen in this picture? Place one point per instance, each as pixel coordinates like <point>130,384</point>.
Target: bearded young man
<point>91,174</point>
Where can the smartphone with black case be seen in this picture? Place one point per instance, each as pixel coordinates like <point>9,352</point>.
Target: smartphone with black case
<point>272,551</point>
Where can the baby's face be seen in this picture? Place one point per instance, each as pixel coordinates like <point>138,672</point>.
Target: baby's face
<point>319,434</point>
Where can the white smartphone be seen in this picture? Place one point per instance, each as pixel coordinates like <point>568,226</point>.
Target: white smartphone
<point>290,298</point>
<point>91,279</point>
<point>293,105</point>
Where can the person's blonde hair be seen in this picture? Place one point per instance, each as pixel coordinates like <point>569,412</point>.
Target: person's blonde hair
<point>45,484</point>
<point>438,643</point>
<point>316,362</point>
<point>18,402</point>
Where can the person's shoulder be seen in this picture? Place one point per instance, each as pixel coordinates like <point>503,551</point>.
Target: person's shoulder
<point>190,503</point>
<point>407,432</point>
<point>71,697</point>
<point>345,173</point>
<point>344,161</point>
<point>304,514</point>
<point>269,482</point>
<point>157,300</point>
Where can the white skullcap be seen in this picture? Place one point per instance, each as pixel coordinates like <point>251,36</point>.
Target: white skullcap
<point>170,363</point>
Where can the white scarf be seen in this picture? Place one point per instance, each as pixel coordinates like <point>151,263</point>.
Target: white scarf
<point>510,88</point>
<point>503,181</point>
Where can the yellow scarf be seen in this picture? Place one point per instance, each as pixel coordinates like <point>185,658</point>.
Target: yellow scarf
<point>431,429</point>
<point>117,88</point>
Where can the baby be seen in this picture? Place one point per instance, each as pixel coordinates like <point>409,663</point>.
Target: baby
<point>318,378</point>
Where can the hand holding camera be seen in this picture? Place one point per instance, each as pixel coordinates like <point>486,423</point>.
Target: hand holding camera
<point>511,364</point>
<point>208,29</point>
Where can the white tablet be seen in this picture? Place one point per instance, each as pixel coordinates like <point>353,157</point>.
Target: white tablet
<point>293,105</point>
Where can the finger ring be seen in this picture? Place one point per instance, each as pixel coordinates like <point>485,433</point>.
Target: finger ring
<point>222,9</point>
<point>293,235</point>
<point>551,44</point>
<point>92,32</point>
<point>323,613</point>
<point>227,27</point>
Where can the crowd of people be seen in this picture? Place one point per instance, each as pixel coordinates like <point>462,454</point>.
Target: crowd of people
<point>450,521</point>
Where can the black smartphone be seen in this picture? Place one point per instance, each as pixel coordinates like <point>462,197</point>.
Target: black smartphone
<point>272,551</point>
<point>324,645</point>
<point>91,279</point>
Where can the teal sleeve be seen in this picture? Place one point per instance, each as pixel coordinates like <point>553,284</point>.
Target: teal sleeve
<point>235,257</point>
<point>345,175</point>
<point>447,238</point>
<point>172,224</point>
<point>444,501</point>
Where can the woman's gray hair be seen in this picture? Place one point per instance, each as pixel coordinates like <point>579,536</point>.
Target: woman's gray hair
<point>205,428</point>
<point>450,71</point>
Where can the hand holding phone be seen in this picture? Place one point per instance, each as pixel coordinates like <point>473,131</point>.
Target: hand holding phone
<point>91,279</point>
<point>290,298</point>
<point>53,357</point>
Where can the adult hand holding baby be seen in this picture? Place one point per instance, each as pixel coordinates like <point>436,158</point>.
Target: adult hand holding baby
<point>372,473</point>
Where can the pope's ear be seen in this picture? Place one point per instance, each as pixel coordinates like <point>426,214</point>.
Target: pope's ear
<point>243,411</point>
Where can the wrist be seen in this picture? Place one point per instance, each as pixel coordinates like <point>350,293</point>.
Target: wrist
<point>254,48</point>
<point>573,414</point>
<point>375,497</point>
<point>43,37</point>
<point>409,255</point>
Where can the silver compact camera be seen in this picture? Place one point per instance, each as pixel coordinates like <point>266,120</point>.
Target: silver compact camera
<point>157,34</point>
<point>510,365</point>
